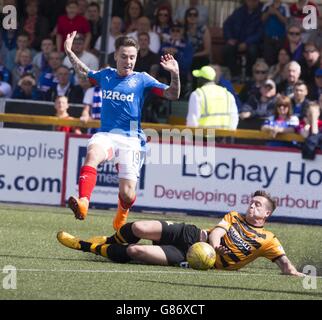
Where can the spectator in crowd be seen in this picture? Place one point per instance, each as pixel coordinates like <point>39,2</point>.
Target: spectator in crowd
<point>315,35</point>
<point>298,14</point>
<point>203,12</point>
<point>65,88</point>
<point>5,88</point>
<point>222,81</point>
<point>152,7</point>
<point>26,89</point>
<point>243,32</point>
<point>34,24</point>
<point>95,21</point>
<point>311,129</point>
<point>82,7</point>
<point>299,100</point>
<point>275,17</point>
<point>70,22</point>
<point>23,66</point>
<point>282,121</point>
<point>48,78</point>
<point>260,107</point>
<point>316,91</point>
<point>8,43</point>
<point>144,25</point>
<point>92,103</point>
<point>211,105</point>
<point>61,107</point>
<point>294,44</point>
<point>133,11</point>
<point>147,61</point>
<point>252,87</point>
<point>163,23</point>
<point>115,31</point>
<point>182,51</point>
<point>199,37</point>
<point>5,73</point>
<point>86,57</point>
<point>277,71</point>
<point>41,59</point>
<point>293,73</point>
<point>309,65</point>
<point>11,58</point>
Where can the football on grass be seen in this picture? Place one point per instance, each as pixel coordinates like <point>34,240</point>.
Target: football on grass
<point>201,256</point>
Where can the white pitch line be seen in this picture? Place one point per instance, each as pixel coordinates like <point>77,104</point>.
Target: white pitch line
<point>150,271</point>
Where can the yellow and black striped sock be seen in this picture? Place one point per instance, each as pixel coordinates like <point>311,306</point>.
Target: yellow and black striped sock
<point>123,236</point>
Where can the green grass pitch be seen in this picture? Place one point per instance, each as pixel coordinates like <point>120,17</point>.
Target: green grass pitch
<point>47,270</point>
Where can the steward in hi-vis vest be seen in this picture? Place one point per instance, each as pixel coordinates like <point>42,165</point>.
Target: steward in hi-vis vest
<point>211,105</point>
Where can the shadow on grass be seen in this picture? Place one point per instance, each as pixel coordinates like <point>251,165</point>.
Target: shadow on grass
<point>317,295</point>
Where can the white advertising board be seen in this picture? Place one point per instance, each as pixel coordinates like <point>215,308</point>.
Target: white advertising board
<point>31,166</point>
<point>220,184</point>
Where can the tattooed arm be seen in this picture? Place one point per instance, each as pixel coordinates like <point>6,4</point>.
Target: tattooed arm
<point>171,65</point>
<point>80,68</point>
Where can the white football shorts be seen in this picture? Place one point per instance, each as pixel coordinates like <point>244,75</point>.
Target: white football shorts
<point>127,153</point>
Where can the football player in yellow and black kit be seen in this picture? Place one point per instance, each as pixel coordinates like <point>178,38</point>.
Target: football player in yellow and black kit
<point>237,239</point>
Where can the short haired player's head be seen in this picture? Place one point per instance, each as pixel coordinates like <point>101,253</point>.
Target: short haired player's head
<point>126,51</point>
<point>261,207</point>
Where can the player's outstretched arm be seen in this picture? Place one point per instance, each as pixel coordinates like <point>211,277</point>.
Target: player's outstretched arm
<point>287,267</point>
<point>214,240</point>
<point>170,64</point>
<point>80,68</point>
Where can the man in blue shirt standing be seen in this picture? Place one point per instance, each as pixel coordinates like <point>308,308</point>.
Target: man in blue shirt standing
<point>120,138</point>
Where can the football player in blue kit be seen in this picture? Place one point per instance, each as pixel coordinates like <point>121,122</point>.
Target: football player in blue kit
<point>120,137</point>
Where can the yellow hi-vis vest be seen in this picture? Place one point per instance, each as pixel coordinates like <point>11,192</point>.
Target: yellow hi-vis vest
<point>215,107</point>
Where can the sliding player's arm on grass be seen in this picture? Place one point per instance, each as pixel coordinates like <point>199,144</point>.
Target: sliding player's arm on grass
<point>287,267</point>
<point>214,240</point>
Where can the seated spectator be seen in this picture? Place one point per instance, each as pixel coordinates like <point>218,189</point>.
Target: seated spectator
<point>34,24</point>
<point>316,91</point>
<point>23,66</point>
<point>115,31</point>
<point>311,129</point>
<point>262,106</point>
<point>133,11</point>
<point>147,61</point>
<point>252,87</point>
<point>47,78</point>
<point>182,51</point>
<point>275,17</point>
<point>277,71</point>
<point>65,88</point>
<point>61,107</point>
<point>282,121</point>
<point>243,34</point>
<point>26,89</point>
<point>222,81</point>
<point>92,103</point>
<point>293,72</point>
<point>5,88</point>
<point>211,105</point>
<point>144,25</point>
<point>199,37</point>
<point>5,73</point>
<point>86,57</point>
<point>11,58</point>
<point>95,21</point>
<point>8,42</point>
<point>203,16</point>
<point>70,22</point>
<point>151,7</point>
<point>41,59</point>
<point>163,23</point>
<point>299,100</point>
<point>310,64</point>
<point>82,7</point>
<point>293,43</point>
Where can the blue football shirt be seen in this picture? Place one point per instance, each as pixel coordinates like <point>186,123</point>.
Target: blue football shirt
<point>123,99</point>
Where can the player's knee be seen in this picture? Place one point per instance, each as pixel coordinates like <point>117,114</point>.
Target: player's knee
<point>139,228</point>
<point>136,252</point>
<point>127,195</point>
<point>94,158</point>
